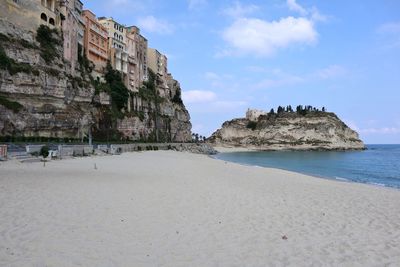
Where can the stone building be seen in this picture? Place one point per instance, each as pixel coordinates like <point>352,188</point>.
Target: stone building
<point>253,114</point>
<point>73,30</point>
<point>137,58</point>
<point>158,63</point>
<point>95,43</point>
<point>28,15</point>
<point>117,49</point>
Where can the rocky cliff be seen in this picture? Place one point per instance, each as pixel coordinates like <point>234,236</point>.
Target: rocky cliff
<point>315,130</point>
<point>39,97</point>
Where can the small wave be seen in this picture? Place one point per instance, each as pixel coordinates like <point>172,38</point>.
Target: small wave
<point>342,179</point>
<point>378,184</point>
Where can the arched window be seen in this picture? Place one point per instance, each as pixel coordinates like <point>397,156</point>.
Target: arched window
<point>115,35</point>
<point>121,38</point>
<point>51,21</point>
<point>43,17</point>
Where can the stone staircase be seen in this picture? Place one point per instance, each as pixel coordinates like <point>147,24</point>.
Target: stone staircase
<point>24,157</point>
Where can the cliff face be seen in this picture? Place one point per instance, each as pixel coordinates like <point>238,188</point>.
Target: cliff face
<point>159,118</point>
<point>288,131</point>
<point>40,98</point>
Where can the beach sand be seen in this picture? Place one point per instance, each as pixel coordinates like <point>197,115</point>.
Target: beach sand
<point>169,208</point>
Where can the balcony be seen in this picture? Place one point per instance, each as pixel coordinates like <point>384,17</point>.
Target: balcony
<point>98,31</point>
<point>98,53</point>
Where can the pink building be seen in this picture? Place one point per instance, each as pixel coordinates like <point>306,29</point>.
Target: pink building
<point>73,30</point>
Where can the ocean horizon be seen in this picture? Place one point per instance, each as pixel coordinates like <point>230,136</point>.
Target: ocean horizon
<point>378,165</point>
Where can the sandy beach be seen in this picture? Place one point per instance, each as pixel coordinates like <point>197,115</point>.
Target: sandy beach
<point>169,208</point>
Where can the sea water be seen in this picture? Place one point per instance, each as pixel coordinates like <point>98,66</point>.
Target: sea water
<point>378,165</point>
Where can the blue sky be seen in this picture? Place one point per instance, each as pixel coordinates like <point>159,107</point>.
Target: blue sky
<point>231,55</point>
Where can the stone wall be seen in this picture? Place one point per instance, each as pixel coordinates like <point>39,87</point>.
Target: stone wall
<point>26,14</point>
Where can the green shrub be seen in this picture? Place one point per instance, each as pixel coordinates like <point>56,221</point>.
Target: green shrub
<point>4,59</point>
<point>251,125</point>
<point>52,72</point>
<point>7,63</point>
<point>118,91</point>
<point>48,43</point>
<point>44,151</point>
<point>177,99</point>
<point>35,154</point>
<point>4,38</point>
<point>11,105</point>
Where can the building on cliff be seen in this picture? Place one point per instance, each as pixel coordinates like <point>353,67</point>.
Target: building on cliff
<point>41,99</point>
<point>253,114</point>
<point>137,58</point>
<point>117,49</point>
<point>30,14</point>
<point>73,27</point>
<point>158,63</point>
<point>95,43</point>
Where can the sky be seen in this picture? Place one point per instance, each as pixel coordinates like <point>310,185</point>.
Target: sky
<point>233,55</point>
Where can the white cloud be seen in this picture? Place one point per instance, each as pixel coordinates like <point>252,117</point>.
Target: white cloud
<point>198,128</point>
<point>154,25</point>
<point>238,10</point>
<point>294,6</point>
<point>391,33</point>
<point>352,125</point>
<point>264,38</point>
<point>198,96</point>
<point>285,80</point>
<point>312,12</point>
<point>228,105</point>
<point>384,130</point>
<point>391,27</point>
<point>223,82</point>
<point>280,78</point>
<point>372,130</point>
<point>117,7</point>
<point>331,71</point>
<point>195,4</point>
<point>211,76</point>
<point>317,16</point>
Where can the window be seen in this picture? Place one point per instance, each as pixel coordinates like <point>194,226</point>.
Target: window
<point>50,5</point>
<point>43,17</point>
<point>51,21</point>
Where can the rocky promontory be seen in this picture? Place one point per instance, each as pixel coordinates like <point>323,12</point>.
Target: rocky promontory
<point>304,129</point>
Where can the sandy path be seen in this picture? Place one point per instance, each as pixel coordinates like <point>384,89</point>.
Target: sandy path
<point>179,209</point>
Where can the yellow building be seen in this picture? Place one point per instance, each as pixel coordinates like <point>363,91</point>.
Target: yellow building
<point>117,49</point>
<point>158,63</point>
